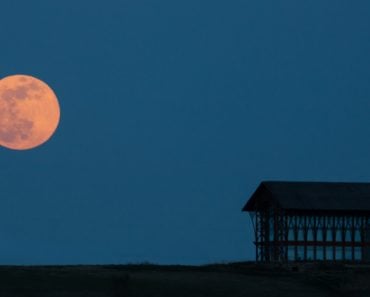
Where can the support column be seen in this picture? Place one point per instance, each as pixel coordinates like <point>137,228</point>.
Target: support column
<point>256,234</point>
<point>286,237</point>
<point>324,234</point>
<point>295,238</point>
<point>305,237</point>
<point>314,231</point>
<point>362,239</point>
<point>353,238</point>
<point>344,229</point>
<point>334,235</point>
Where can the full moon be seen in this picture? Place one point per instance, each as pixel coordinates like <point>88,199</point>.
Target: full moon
<point>29,112</point>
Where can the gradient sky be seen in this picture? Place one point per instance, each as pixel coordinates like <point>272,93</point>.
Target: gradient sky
<point>172,113</point>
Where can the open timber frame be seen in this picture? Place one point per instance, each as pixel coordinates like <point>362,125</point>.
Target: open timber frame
<point>285,232</point>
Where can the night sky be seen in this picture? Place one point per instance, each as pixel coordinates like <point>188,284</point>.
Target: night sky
<point>172,112</point>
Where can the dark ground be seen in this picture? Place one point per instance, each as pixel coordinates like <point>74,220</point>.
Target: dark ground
<point>229,280</point>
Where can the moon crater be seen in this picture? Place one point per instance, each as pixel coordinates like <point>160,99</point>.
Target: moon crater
<point>29,112</point>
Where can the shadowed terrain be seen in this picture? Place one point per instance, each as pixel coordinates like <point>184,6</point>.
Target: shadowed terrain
<point>237,279</point>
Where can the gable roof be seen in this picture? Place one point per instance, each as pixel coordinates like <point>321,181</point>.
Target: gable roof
<point>313,195</point>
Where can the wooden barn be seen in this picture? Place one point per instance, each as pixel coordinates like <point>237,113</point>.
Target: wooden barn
<point>311,221</point>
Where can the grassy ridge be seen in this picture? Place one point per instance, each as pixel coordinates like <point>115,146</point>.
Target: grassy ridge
<point>229,280</point>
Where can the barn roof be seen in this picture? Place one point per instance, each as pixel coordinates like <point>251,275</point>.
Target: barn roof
<point>313,195</point>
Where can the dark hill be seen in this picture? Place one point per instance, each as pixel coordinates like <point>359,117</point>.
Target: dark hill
<point>229,280</point>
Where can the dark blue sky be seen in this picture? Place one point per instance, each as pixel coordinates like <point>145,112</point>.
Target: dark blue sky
<point>172,113</point>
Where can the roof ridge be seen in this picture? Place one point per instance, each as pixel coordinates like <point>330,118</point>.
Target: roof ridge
<point>323,195</point>
<point>311,182</point>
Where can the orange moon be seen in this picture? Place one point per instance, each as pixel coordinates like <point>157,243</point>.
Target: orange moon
<point>29,112</point>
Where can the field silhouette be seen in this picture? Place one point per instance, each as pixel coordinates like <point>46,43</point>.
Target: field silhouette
<point>229,280</point>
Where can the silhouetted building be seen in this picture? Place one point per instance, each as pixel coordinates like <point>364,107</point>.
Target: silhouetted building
<point>311,221</point>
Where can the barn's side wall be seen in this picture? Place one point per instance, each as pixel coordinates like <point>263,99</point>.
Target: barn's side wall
<point>288,236</point>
